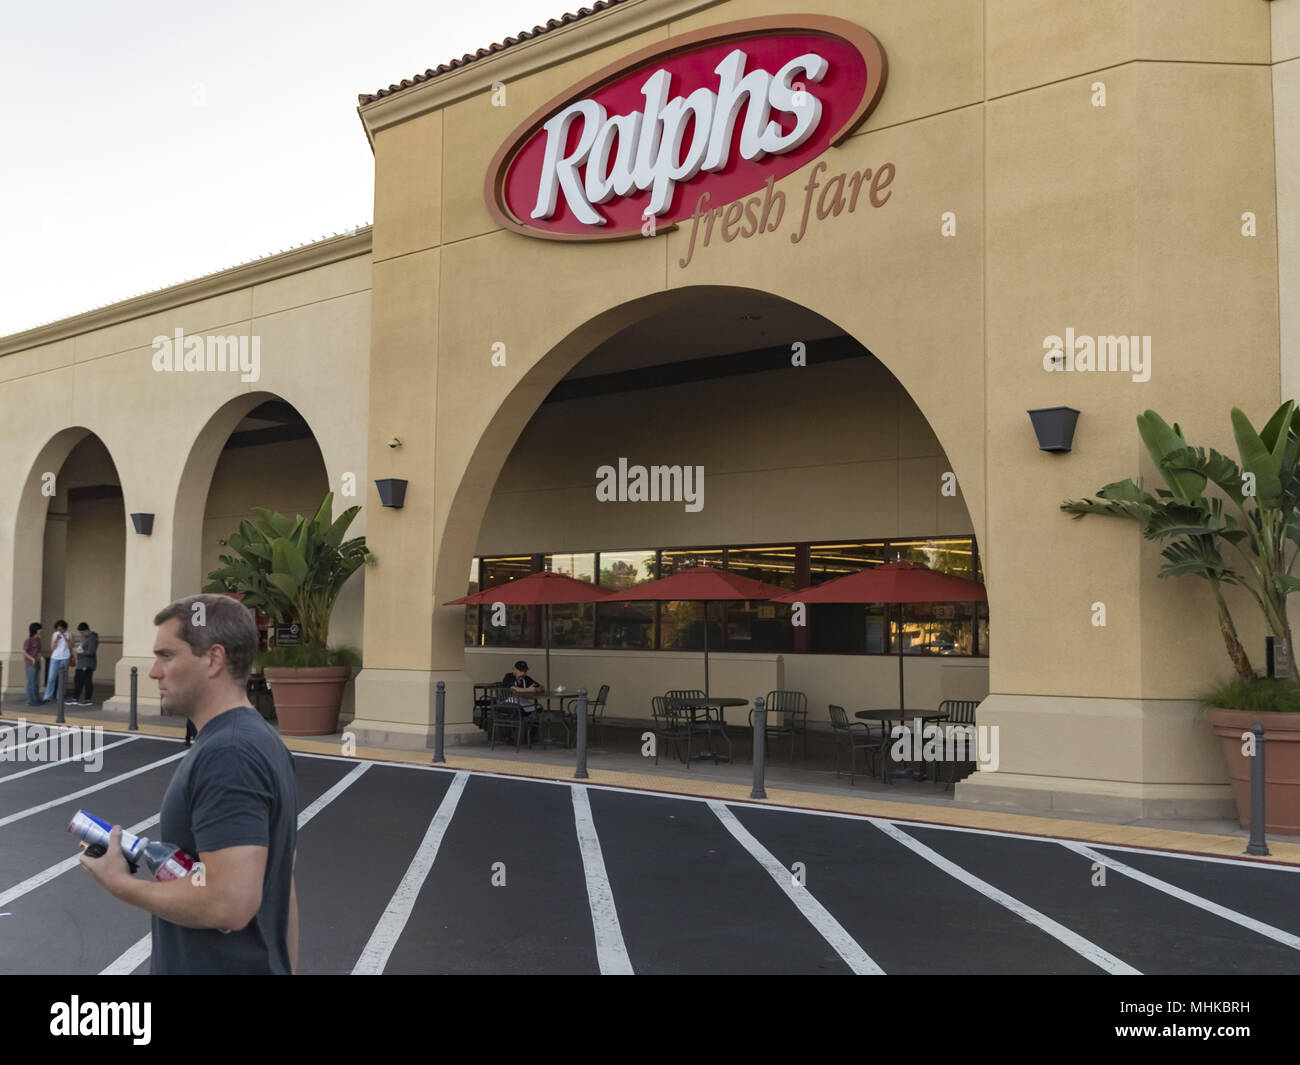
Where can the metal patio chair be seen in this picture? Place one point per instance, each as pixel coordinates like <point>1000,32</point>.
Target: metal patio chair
<point>857,736</point>
<point>961,714</point>
<point>510,717</point>
<point>595,711</point>
<point>672,723</point>
<point>487,696</point>
<point>787,716</point>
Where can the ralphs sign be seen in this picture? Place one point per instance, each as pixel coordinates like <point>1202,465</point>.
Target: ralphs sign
<point>724,109</point>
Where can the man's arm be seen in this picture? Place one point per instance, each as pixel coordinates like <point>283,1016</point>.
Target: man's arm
<point>228,895</point>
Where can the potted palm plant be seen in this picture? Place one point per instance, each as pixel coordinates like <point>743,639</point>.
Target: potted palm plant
<point>1254,545</point>
<point>293,571</point>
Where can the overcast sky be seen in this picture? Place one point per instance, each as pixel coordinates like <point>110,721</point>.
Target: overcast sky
<point>144,143</point>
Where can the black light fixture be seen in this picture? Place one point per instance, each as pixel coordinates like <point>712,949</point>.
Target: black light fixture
<point>1054,427</point>
<point>392,492</point>
<point>143,523</point>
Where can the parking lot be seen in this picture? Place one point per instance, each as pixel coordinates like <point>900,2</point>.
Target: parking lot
<point>416,869</point>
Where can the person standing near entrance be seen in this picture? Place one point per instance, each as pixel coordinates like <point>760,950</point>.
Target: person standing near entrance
<point>32,660</point>
<point>87,658</point>
<point>232,802</point>
<point>60,655</point>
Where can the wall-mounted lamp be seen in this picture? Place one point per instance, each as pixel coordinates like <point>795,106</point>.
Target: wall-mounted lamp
<point>143,523</point>
<point>392,492</point>
<point>1054,427</point>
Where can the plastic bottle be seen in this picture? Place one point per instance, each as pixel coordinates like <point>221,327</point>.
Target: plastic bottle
<point>163,860</point>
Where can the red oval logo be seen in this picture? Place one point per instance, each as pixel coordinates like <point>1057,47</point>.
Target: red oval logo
<point>722,109</point>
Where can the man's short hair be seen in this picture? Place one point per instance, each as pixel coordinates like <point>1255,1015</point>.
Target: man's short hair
<point>521,664</point>
<point>226,622</point>
<point>83,627</point>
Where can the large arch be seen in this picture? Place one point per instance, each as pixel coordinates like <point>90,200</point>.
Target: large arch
<point>470,500</point>
<point>23,536</point>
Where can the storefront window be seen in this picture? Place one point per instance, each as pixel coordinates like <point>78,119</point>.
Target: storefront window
<point>759,625</point>
<point>845,627</point>
<point>629,625</point>
<point>936,628</point>
<point>573,624</point>
<point>513,629</point>
<point>690,558</point>
<point>953,555</point>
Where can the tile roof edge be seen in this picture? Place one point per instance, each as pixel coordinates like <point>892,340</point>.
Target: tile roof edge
<point>524,35</point>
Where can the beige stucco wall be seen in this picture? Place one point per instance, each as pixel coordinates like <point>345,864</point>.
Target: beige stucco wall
<point>868,469</point>
<point>311,310</point>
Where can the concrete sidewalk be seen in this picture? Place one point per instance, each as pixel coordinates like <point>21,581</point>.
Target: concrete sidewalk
<point>805,785</point>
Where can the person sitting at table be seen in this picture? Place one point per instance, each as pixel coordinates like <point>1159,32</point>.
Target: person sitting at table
<point>521,686</point>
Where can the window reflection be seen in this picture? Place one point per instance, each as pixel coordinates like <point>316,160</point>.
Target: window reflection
<point>629,625</point>
<point>515,630</point>
<point>573,624</point>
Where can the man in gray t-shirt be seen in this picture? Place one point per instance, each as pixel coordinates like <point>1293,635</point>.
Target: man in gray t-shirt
<point>232,803</point>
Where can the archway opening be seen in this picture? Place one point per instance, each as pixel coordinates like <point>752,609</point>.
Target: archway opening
<point>83,569</point>
<point>810,460</point>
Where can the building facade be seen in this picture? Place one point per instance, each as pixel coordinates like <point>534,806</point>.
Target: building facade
<point>845,348</point>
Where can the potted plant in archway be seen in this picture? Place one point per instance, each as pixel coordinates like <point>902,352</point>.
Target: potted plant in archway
<point>293,571</point>
<point>1254,546</point>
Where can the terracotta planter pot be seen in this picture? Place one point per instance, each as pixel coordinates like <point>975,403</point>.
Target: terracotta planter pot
<point>307,700</point>
<point>1281,765</point>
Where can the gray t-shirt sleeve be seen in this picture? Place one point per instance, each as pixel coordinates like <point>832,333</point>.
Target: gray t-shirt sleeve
<point>233,799</point>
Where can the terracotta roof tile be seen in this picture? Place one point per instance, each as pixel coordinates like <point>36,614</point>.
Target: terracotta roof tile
<point>523,35</point>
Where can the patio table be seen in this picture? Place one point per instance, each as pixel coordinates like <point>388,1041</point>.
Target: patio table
<point>708,704</point>
<point>904,717</point>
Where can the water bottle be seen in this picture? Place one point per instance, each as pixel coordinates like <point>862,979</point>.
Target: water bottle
<point>163,860</point>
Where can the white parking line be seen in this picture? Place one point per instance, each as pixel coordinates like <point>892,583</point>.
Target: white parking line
<point>59,868</point>
<point>131,959</point>
<point>857,959</point>
<point>1083,947</point>
<point>62,761</point>
<point>384,938</point>
<point>1276,934</point>
<point>134,956</point>
<point>86,791</point>
<point>611,951</point>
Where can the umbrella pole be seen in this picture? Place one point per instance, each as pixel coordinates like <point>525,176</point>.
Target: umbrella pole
<point>706,651</point>
<point>548,646</point>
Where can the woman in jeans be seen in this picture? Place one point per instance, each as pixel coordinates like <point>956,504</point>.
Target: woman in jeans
<point>32,659</point>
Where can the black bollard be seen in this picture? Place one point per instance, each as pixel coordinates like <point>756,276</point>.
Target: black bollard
<point>1257,844</point>
<point>135,680</point>
<point>59,681</point>
<point>2,685</point>
<point>581,772</point>
<point>439,720</point>
<point>760,748</point>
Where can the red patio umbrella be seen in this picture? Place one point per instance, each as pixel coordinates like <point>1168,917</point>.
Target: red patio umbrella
<point>538,589</point>
<point>896,583</point>
<point>703,584</point>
